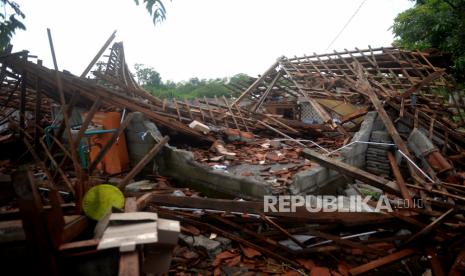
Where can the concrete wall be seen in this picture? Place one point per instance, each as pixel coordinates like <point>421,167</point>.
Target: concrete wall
<point>320,180</point>
<point>139,137</point>
<point>181,166</point>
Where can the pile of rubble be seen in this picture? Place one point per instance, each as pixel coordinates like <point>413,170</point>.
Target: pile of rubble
<point>99,176</point>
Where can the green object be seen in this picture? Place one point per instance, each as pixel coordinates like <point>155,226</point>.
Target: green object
<point>100,198</point>
<point>434,24</point>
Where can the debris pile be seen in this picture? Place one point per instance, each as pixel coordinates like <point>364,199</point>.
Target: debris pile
<point>97,172</point>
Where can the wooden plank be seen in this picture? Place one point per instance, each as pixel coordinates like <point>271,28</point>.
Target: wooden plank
<point>431,77</point>
<point>224,116</point>
<point>351,171</point>
<point>38,160</point>
<point>69,136</point>
<point>79,244</point>
<point>57,167</point>
<point>22,101</point>
<point>230,112</point>
<point>457,106</point>
<point>354,115</point>
<point>177,109</point>
<point>399,179</point>
<point>247,231</point>
<point>255,83</point>
<point>87,120</point>
<point>436,266</point>
<point>74,228</point>
<point>242,118</point>
<point>282,230</point>
<point>365,86</point>
<point>98,55</point>
<point>129,261</point>
<point>32,217</point>
<point>143,162</point>
<point>382,261</point>
<point>281,124</point>
<point>267,91</point>
<point>188,109</point>
<point>37,113</point>
<point>200,109</point>
<point>256,207</point>
<point>209,109</point>
<point>457,267</point>
<point>430,226</point>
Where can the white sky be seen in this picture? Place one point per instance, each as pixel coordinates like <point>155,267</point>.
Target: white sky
<point>203,38</point>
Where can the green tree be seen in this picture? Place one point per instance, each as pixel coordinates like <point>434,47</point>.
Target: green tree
<point>434,24</point>
<point>156,9</point>
<point>147,75</point>
<point>10,16</point>
<point>196,88</point>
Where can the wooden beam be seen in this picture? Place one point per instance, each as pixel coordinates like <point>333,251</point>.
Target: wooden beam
<point>37,113</point>
<point>110,142</point>
<point>282,230</point>
<point>33,221</point>
<point>99,53</point>
<point>129,261</point>
<point>351,171</point>
<point>255,83</point>
<point>365,87</point>
<point>230,111</point>
<point>382,261</point>
<point>60,171</point>
<point>87,120</point>
<point>22,102</point>
<point>399,179</point>
<point>143,162</point>
<point>431,77</point>
<point>430,226</point>
<point>256,207</point>
<point>354,115</point>
<point>267,91</point>
<point>69,136</point>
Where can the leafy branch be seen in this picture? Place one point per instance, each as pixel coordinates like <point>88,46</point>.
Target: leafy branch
<point>9,24</point>
<point>156,9</point>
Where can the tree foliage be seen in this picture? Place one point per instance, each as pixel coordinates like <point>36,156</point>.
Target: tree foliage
<point>192,88</point>
<point>147,75</point>
<point>10,16</point>
<point>156,9</point>
<point>434,24</point>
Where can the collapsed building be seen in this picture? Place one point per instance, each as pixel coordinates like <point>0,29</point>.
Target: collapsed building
<point>192,175</point>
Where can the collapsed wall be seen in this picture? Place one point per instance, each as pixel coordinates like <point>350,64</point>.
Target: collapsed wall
<point>184,169</point>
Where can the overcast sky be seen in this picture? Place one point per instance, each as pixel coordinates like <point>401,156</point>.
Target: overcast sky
<point>203,38</point>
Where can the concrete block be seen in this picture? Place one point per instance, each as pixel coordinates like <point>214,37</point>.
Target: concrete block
<point>380,136</point>
<point>419,143</point>
<point>211,246</point>
<point>199,126</point>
